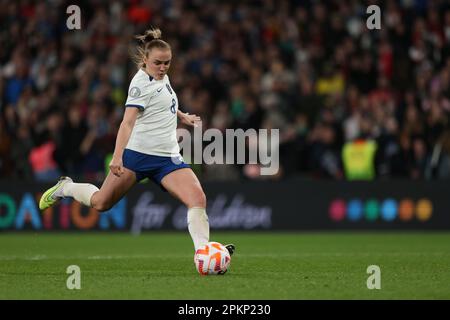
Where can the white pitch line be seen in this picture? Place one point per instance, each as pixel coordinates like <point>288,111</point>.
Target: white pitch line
<point>39,257</point>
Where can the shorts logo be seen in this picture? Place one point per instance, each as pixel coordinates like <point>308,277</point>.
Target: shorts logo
<point>177,160</point>
<point>135,92</point>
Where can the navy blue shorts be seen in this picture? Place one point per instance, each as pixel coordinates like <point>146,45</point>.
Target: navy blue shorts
<point>149,166</point>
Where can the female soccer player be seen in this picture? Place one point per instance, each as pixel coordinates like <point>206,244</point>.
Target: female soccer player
<point>146,145</point>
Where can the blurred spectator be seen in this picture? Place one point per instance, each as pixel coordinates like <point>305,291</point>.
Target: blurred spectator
<point>5,147</point>
<point>420,158</point>
<point>19,154</point>
<point>72,151</point>
<point>44,167</point>
<point>439,163</point>
<point>358,157</point>
<point>325,161</point>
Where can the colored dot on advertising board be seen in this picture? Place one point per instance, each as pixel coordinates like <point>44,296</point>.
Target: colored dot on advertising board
<point>372,209</point>
<point>389,209</point>
<point>354,210</point>
<point>406,209</point>
<point>424,209</point>
<point>337,210</point>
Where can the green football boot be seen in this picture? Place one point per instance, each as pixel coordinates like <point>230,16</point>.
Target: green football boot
<point>54,194</point>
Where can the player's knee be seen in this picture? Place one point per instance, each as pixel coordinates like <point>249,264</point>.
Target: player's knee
<point>198,199</point>
<point>102,205</point>
<point>100,202</point>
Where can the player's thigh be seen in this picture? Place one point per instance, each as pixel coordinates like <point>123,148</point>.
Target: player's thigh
<point>184,185</point>
<point>114,188</point>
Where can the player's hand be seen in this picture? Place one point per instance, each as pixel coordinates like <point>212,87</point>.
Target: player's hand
<point>190,119</point>
<point>116,167</point>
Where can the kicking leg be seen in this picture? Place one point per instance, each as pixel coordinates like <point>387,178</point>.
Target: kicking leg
<point>112,190</point>
<point>184,185</point>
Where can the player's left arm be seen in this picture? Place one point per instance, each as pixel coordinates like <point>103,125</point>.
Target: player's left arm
<point>188,119</point>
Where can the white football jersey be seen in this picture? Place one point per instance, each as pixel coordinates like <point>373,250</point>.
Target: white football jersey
<point>154,132</point>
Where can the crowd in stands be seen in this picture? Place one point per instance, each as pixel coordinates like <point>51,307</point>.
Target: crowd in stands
<point>311,69</point>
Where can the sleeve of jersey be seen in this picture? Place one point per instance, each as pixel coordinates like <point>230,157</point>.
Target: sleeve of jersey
<point>138,95</point>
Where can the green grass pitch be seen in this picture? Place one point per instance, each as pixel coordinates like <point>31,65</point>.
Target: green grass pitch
<point>159,265</point>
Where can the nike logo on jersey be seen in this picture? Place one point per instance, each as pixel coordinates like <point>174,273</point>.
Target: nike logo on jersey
<point>159,90</point>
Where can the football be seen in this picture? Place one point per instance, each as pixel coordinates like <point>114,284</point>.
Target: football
<point>212,258</point>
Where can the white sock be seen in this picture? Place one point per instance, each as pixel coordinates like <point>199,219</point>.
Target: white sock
<point>82,192</point>
<point>198,226</point>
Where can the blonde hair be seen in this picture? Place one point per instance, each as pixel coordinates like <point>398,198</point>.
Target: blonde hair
<point>147,41</point>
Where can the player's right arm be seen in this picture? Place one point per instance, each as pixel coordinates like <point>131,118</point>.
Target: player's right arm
<point>139,93</point>
<point>123,135</point>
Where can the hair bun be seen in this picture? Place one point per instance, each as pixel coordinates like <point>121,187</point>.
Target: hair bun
<point>149,35</point>
<point>153,34</point>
